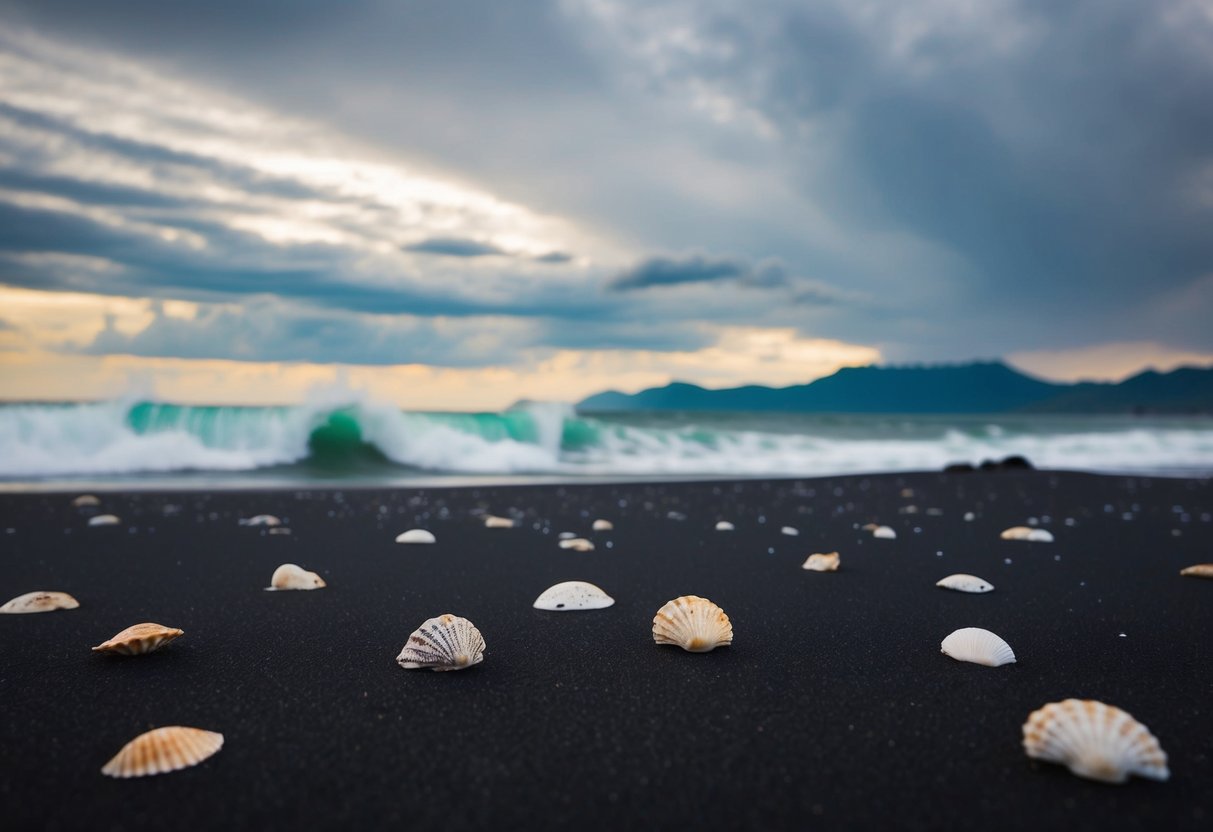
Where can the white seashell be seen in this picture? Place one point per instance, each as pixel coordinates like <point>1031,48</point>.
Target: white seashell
<point>790,531</point>
<point>447,642</point>
<point>695,624</point>
<point>603,526</point>
<point>822,563</point>
<point>573,595</point>
<point>566,535</point>
<point>290,576</point>
<point>1200,570</point>
<point>86,500</point>
<point>973,644</point>
<point>1094,740</point>
<point>40,602</point>
<point>884,533</point>
<point>261,520</point>
<point>162,750</point>
<point>1040,536</point>
<point>104,520</point>
<point>577,544</point>
<point>139,639</point>
<point>969,517</point>
<point>965,583</point>
<point>724,526</point>
<point>491,522</point>
<point>1027,533</point>
<point>416,536</point>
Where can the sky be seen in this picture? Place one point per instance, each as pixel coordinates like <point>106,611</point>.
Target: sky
<point>460,203</point>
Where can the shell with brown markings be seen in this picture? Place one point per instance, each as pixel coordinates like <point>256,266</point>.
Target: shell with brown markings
<point>40,602</point>
<point>445,642</point>
<point>695,624</point>
<point>139,639</point>
<point>822,563</point>
<point>162,750</point>
<point>1094,740</point>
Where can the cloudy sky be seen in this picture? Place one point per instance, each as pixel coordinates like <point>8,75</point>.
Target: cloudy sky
<point>458,203</point>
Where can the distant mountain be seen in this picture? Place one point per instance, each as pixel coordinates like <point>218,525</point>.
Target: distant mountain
<point>980,387</point>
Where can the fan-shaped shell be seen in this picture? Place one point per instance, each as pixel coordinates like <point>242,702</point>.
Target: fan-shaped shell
<point>292,576</point>
<point>577,544</point>
<point>695,624</point>
<point>790,531</point>
<point>973,644</point>
<point>492,522</point>
<point>573,595</point>
<point>104,520</point>
<point>40,602</point>
<point>261,520</point>
<point>884,533</point>
<point>1094,740</point>
<point>416,536</point>
<point>162,750</point>
<point>724,526</point>
<point>141,638</point>
<point>965,583</point>
<point>446,642</point>
<point>822,563</point>
<point>1200,570</point>
<point>603,525</point>
<point>85,500</point>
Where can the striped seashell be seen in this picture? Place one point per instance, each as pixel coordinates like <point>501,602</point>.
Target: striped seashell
<point>85,501</point>
<point>139,639</point>
<point>1094,740</point>
<point>416,536</point>
<point>163,750</point>
<point>1027,533</point>
<point>447,642</point>
<point>291,576</point>
<point>724,526</point>
<point>695,624</point>
<point>965,583</point>
<point>884,533</point>
<point>973,644</point>
<point>40,602</point>
<point>573,595</point>
<point>577,544</point>
<point>822,563</point>
<point>104,520</point>
<point>1200,570</point>
<point>492,522</point>
<point>261,520</point>
<point>603,525</point>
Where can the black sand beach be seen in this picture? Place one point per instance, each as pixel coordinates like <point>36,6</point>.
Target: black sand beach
<point>833,708</point>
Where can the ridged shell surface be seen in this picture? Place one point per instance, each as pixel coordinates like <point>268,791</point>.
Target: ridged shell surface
<point>1094,740</point>
<point>603,525</point>
<point>141,638</point>
<point>973,644</point>
<point>40,602</point>
<point>416,536</point>
<point>822,563</point>
<point>1200,570</point>
<point>695,624</point>
<point>577,544</point>
<point>162,750</point>
<point>292,576</point>
<point>446,642</point>
<point>965,583</point>
<point>724,526</point>
<point>104,520</point>
<point>491,522</point>
<point>884,533</point>
<point>573,595</point>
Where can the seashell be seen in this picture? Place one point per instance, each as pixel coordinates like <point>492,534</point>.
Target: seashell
<point>1200,570</point>
<point>85,500</point>
<point>973,644</point>
<point>141,638</point>
<point>40,602</point>
<point>290,576</point>
<point>965,583</point>
<point>695,624</point>
<point>908,510</point>
<point>447,642</point>
<point>603,526</point>
<point>790,531</point>
<point>969,517</point>
<point>1027,533</point>
<point>1094,740</point>
<point>884,533</point>
<point>104,520</point>
<point>822,563</point>
<point>491,522</point>
<point>163,750</point>
<point>573,595</point>
<point>566,535</point>
<point>577,544</point>
<point>724,526</point>
<point>416,536</point>
<point>261,520</point>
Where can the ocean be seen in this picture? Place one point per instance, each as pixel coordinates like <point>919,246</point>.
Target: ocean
<point>146,444</point>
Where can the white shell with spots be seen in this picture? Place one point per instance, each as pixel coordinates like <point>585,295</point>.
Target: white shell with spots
<point>573,595</point>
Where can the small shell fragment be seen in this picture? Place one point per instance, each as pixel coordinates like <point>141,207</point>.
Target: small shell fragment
<point>1027,533</point>
<point>724,526</point>
<point>416,536</point>
<point>446,642</point>
<point>822,563</point>
<point>566,535</point>
<point>603,525</point>
<point>40,602</point>
<point>695,624</point>
<point>261,520</point>
<point>577,544</point>
<point>790,531</point>
<point>1200,570</point>
<point>973,644</point>
<point>492,522</point>
<point>965,583</point>
<point>884,533</point>
<point>141,638</point>
<point>162,750</point>
<point>573,595</point>
<point>1094,740</point>
<point>104,520</point>
<point>85,500</point>
<point>291,576</point>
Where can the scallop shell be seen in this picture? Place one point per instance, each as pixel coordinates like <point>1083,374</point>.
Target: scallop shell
<point>1094,740</point>
<point>85,500</point>
<point>416,536</point>
<point>965,583</point>
<point>491,522</point>
<point>40,602</point>
<point>141,638</point>
<point>790,531</point>
<point>291,576</point>
<point>1200,570</point>
<point>725,526</point>
<point>1027,533</point>
<point>695,624</point>
<point>577,544</point>
<point>447,642</point>
<point>573,595</point>
<point>973,644</point>
<point>822,563</point>
<point>884,533</point>
<point>603,526</point>
<point>261,520</point>
<point>165,749</point>
<point>104,520</point>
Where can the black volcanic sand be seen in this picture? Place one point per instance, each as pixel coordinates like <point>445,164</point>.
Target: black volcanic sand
<point>833,709</point>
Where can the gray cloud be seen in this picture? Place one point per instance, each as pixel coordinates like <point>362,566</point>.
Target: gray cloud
<point>554,257</point>
<point>698,268</point>
<point>454,247</point>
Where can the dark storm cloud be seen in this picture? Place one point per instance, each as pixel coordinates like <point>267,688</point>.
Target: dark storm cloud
<point>454,247</point>
<point>698,268</point>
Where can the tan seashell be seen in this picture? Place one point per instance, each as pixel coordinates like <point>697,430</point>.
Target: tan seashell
<point>163,750</point>
<point>973,644</point>
<point>965,583</point>
<point>695,624</point>
<point>492,522</point>
<point>1027,533</point>
<point>822,563</point>
<point>85,500</point>
<point>261,520</point>
<point>141,638</point>
<point>291,576</point>
<point>724,526</point>
<point>40,602</point>
<point>446,642</point>
<point>884,533</point>
<point>104,520</point>
<point>1200,570</point>
<point>1094,740</point>
<point>416,536</point>
<point>577,544</point>
<point>603,526</point>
